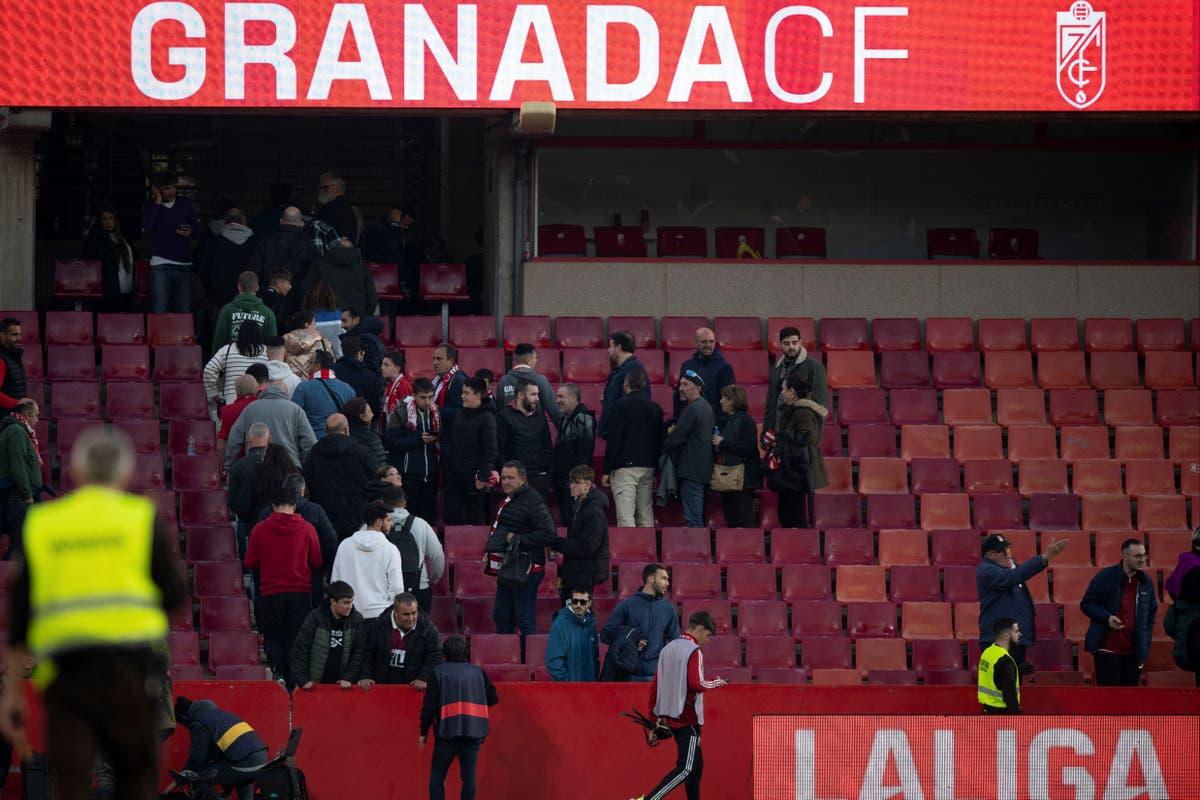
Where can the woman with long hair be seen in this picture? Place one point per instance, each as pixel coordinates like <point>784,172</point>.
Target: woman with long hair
<point>277,464</point>
<point>323,303</point>
<point>302,342</point>
<point>227,364</point>
<point>358,411</point>
<point>797,451</point>
<point>737,444</point>
<point>106,244</point>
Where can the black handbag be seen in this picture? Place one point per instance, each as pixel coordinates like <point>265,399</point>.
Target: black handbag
<point>514,567</point>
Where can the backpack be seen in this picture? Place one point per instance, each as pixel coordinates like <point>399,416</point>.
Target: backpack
<point>281,779</point>
<point>410,554</point>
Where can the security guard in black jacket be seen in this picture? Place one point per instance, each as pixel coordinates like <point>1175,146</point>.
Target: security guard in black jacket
<point>224,747</point>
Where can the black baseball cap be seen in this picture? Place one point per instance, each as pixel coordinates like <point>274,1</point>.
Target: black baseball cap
<point>995,544</point>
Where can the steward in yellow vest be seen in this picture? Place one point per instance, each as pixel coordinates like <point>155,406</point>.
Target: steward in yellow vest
<point>88,603</point>
<point>999,679</point>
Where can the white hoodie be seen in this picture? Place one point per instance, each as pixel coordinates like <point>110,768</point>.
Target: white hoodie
<point>371,565</point>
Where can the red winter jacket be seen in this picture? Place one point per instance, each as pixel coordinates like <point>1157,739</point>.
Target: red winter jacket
<point>285,551</point>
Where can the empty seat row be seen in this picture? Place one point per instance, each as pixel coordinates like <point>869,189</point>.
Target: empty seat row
<point>84,327</point>
<point>118,362</point>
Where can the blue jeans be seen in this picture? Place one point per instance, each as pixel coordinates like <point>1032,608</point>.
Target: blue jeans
<point>692,495</point>
<point>466,750</point>
<point>171,288</point>
<point>516,608</point>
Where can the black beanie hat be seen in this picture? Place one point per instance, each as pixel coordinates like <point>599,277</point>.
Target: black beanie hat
<point>182,705</point>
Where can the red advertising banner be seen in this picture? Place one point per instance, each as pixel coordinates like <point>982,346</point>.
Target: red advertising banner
<point>751,55</point>
<point>975,758</point>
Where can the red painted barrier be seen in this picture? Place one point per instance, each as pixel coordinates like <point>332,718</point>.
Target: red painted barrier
<point>569,740</point>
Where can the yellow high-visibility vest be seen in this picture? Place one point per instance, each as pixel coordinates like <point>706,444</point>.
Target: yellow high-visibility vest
<point>88,556</point>
<point>988,694</point>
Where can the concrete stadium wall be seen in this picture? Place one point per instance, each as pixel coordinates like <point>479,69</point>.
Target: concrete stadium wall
<point>825,289</point>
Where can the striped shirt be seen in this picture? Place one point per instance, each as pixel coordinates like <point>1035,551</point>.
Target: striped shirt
<point>223,370</point>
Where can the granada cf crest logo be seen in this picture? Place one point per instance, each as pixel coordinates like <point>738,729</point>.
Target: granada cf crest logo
<point>1081,46</point>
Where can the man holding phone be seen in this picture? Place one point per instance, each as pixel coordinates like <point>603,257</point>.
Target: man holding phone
<point>171,221</point>
<point>414,430</point>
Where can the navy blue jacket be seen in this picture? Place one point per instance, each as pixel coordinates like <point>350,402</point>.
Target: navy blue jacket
<point>654,616</point>
<point>1002,593</point>
<point>457,697</point>
<point>1103,599</point>
<point>207,724</point>
<point>716,373</point>
<point>614,390</point>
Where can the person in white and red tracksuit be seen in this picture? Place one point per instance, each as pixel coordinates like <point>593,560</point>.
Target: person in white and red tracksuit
<point>677,698</point>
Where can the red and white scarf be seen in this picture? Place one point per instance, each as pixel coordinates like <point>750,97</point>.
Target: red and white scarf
<point>440,382</point>
<point>399,389</point>
<point>325,374</point>
<point>29,429</point>
<point>435,416</point>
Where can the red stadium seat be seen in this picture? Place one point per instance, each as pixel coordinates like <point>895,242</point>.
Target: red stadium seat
<point>1162,513</point>
<point>844,333</point>
<point>1078,552</point>
<point>967,407</point>
<point>80,400</point>
<point>585,366</point>
<point>799,242</point>
<point>976,442</point>
<point>945,512</point>
<point>956,370</point>
<point>1096,477</point>
<point>891,511</point>
<point>1002,335</point>
<point>913,406</point>
<point>195,473</point>
<point>1115,370</point>
<point>182,401</point>
<point>211,544</point>
<point>1108,545</point>
<point>738,333</point>
<point>1051,655</point>
<point>831,441</point>
<point>626,545</point>
<point>896,333</point>
<point>1068,583</point>
<point>1107,334</point>
<point>926,620</point>
<point>816,618</point>
<point>1138,442</point>
<point>207,509</point>
<point>998,512</point>
<point>1003,369</point>
<point>958,584</point>
<point>679,333</point>
<point>473,331</point>
<point>1144,477</point>
<point>1178,407</point>
<point>871,618</point>
<point>1169,370</point>
<point>836,511</point>
<point>804,582</point>
<point>872,440</point>
<point>177,363</point>
<point>849,546</point>
<point>916,583</point>
<point>132,400</point>
<point>1160,334</point>
<point>69,327</point>
<point>988,476</point>
<point>125,362</point>
<point>750,367</point>
<point>1074,407</point>
<point>695,581</point>
<point>170,329</point>
<point>1062,370</point>
<point>862,405</point>
<point>642,328</point>
<point>952,243</point>
<point>903,547</point>
<point>473,358</point>
<point>722,653</point>
<point>386,277</point>
<point>183,434</point>
<point>444,283</point>
<point>1020,406</point>
<point>477,615</point>
<point>1100,512</point>
<point>949,334</point>
<point>794,546</point>
<point>682,241</point>
<point>1084,442</point>
<point>932,476</point>
<point>218,579</point>
<point>31,329</point>
<point>75,279</point>
<point>860,584</point>
<point>1039,475</point>
<point>1031,441</point>
<point>825,654</point>
<point>880,654</point>
<point>578,332</point>
<point>904,369</point>
<point>185,648</point>
<point>806,325</point>
<point>924,441</point>
<point>31,360</point>
<point>954,548</point>
<point>686,545</point>
<point>736,242</point>
<point>561,240</point>
<point>1018,244</point>
<point>740,546</point>
<point>775,652</point>
<point>788,675</point>
<point>882,476</point>
<point>762,618</point>
<point>1053,511</point>
<point>721,612</point>
<point>495,648</point>
<point>70,363</point>
<point>534,330</point>
<point>1054,334</point>
<point>1124,407</point>
<point>1185,444</point>
<point>418,331</point>
<point>444,613</point>
<point>144,431</point>
<point>232,649</point>
<point>850,369</point>
<point>469,581</point>
<point>937,655</point>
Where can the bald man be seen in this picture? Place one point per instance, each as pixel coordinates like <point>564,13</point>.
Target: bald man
<point>337,472</point>
<point>288,247</point>
<point>711,366</point>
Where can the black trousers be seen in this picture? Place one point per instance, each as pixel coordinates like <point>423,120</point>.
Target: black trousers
<point>280,618</point>
<point>104,699</point>
<point>466,750</point>
<point>795,509</point>
<point>738,508</point>
<point>689,766</point>
<point>13,508</point>
<point>462,503</point>
<point>421,497</point>
<point>1116,670</point>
